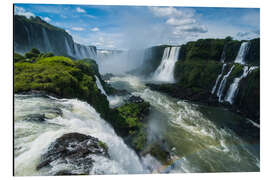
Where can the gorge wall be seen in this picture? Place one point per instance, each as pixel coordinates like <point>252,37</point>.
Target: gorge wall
<point>36,33</point>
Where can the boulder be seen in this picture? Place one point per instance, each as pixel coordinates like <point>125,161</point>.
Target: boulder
<point>73,149</point>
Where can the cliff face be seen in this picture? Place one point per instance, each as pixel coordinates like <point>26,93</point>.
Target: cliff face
<point>36,33</point>
<point>206,72</point>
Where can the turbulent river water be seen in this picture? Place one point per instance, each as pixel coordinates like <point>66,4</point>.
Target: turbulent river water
<point>200,143</point>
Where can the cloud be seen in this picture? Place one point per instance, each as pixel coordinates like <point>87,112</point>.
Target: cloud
<point>242,34</point>
<point>80,10</point>
<point>193,28</point>
<point>248,34</point>
<point>47,19</point>
<point>23,12</point>
<point>177,22</point>
<point>95,29</point>
<point>165,11</point>
<point>77,29</point>
<point>180,23</point>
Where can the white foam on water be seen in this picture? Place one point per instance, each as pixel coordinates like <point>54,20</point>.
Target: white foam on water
<point>81,118</point>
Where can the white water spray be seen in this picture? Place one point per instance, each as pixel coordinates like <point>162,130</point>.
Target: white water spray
<point>233,90</point>
<point>165,70</point>
<point>33,138</point>
<point>222,85</point>
<point>217,80</point>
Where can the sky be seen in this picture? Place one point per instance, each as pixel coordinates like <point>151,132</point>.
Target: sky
<point>135,27</point>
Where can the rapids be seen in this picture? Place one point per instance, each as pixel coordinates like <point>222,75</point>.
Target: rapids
<point>197,138</point>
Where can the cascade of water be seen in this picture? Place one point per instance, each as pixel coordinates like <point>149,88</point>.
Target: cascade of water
<point>100,87</point>
<point>46,40</point>
<point>222,59</point>
<point>231,93</point>
<point>84,51</point>
<point>28,36</point>
<point>233,90</point>
<point>77,52</point>
<point>69,52</point>
<point>240,58</point>
<point>92,52</point>
<point>222,85</point>
<point>165,70</point>
<point>217,80</point>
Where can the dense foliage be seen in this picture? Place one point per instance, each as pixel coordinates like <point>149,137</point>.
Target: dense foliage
<point>202,49</point>
<point>248,99</point>
<point>253,55</point>
<point>197,74</point>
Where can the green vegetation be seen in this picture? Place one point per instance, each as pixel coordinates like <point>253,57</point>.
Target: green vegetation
<point>60,76</point>
<point>197,74</point>
<point>248,99</point>
<point>103,145</point>
<point>211,50</point>
<point>202,49</point>
<point>253,55</point>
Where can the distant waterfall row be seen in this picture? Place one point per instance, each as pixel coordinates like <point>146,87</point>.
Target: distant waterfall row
<point>47,40</point>
<point>81,51</point>
<point>165,70</point>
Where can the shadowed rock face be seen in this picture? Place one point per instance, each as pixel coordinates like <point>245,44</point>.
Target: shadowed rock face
<point>73,149</point>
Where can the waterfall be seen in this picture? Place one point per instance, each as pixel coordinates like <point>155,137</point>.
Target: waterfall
<point>82,51</point>
<point>92,52</point>
<point>77,52</point>
<point>217,80</point>
<point>222,85</point>
<point>100,87</point>
<point>242,53</point>
<point>222,59</point>
<point>69,52</point>
<point>46,41</point>
<point>165,70</point>
<point>28,36</point>
<point>233,90</point>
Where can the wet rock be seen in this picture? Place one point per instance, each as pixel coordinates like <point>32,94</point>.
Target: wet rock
<point>135,99</point>
<point>73,149</point>
<point>35,117</point>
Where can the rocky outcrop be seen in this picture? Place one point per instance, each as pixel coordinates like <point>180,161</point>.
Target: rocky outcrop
<point>73,149</point>
<point>36,33</point>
